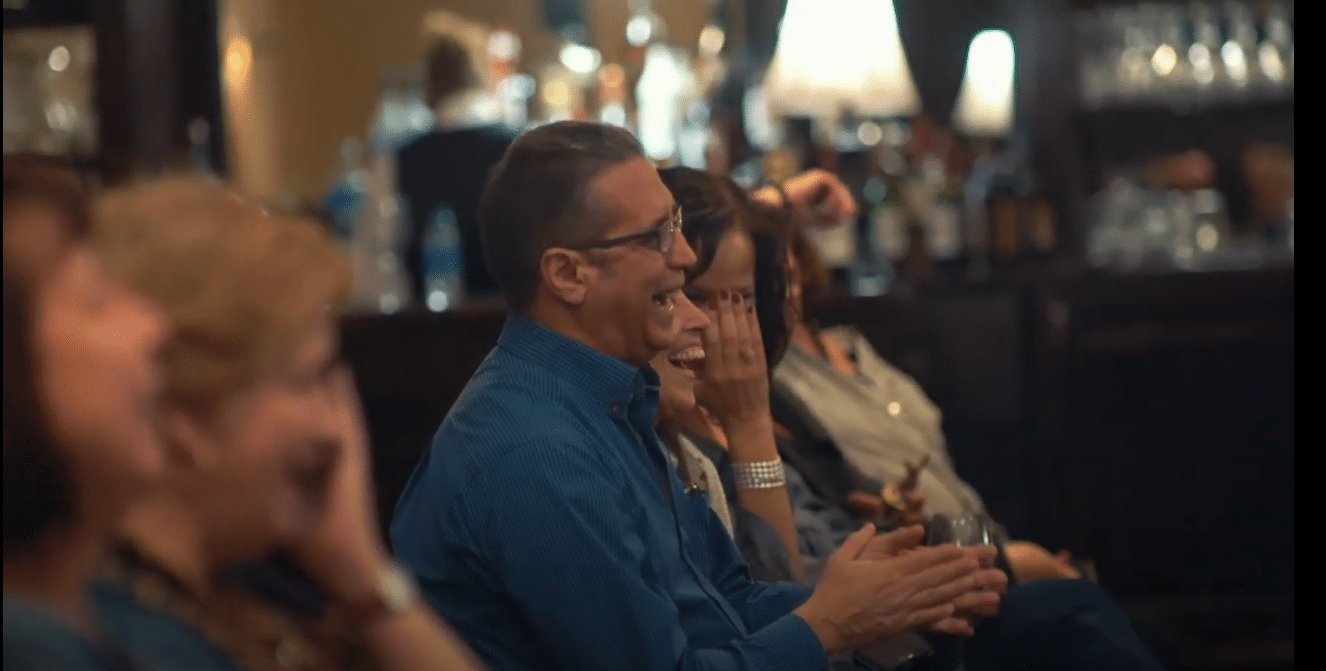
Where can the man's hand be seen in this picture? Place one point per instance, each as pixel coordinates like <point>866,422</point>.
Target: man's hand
<point>861,600</point>
<point>893,544</point>
<point>969,608</point>
<point>816,197</point>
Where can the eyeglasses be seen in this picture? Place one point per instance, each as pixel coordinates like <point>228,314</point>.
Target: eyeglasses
<point>659,238</point>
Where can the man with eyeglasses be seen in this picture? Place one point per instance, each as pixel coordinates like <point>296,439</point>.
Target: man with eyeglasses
<point>546,523</point>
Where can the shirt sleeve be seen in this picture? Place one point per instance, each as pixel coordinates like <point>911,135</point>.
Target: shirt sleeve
<point>759,603</point>
<point>567,549</point>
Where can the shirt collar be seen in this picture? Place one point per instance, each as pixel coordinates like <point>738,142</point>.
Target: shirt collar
<point>604,380</point>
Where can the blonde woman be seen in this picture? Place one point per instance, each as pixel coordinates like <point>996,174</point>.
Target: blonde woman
<point>270,452</point>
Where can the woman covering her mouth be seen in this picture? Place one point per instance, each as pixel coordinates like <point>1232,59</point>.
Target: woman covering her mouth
<point>714,414</point>
<point>269,453</point>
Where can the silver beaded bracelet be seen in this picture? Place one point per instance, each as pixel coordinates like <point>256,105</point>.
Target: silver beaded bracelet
<point>759,474</point>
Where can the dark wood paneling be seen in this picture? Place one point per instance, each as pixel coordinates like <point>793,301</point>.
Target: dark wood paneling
<point>1166,439</point>
<point>410,368</point>
<point>158,67</point>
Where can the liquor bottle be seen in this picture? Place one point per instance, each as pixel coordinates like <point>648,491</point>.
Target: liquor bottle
<point>889,218</point>
<point>1002,203</point>
<point>944,228</point>
<point>1036,226</point>
<point>976,212</point>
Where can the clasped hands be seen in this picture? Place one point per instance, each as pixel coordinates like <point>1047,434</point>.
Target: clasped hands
<point>877,586</point>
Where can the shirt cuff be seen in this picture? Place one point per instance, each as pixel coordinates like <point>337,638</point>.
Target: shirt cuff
<point>790,640</point>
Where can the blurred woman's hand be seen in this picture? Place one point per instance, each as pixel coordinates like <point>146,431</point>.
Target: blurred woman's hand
<point>344,551</point>
<point>733,386</point>
<point>816,197</point>
<point>903,498</point>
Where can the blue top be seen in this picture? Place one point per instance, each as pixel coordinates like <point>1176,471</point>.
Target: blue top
<point>38,639</point>
<point>546,525</point>
<point>156,639</point>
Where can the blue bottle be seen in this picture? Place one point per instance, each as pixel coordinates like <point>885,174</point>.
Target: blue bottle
<point>444,262</point>
<point>349,186</point>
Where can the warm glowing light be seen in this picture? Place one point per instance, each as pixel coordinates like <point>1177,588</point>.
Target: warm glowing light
<point>239,58</point>
<point>762,128</point>
<point>612,75</point>
<point>503,45</point>
<point>711,40</point>
<point>1272,65</point>
<point>59,59</point>
<point>663,80</point>
<point>895,408</point>
<point>1200,57</point>
<point>869,133</point>
<point>579,59</point>
<point>985,101</point>
<point>557,94</point>
<point>438,300</point>
<point>1235,62</point>
<point>1164,60</point>
<point>840,53</point>
<point>1207,238</point>
<point>640,29</point>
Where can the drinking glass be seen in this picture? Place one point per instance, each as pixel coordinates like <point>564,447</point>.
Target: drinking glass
<point>964,531</point>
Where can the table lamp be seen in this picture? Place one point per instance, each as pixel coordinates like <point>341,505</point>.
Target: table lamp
<point>838,61</point>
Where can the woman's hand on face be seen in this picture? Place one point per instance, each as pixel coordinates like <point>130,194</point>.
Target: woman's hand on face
<point>344,550</point>
<point>733,386</point>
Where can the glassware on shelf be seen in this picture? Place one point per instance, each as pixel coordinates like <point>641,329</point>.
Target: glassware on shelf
<point>1208,70</point>
<point>1241,68</point>
<point>48,91</point>
<point>1132,64</point>
<point>1275,53</point>
<point>1170,60</point>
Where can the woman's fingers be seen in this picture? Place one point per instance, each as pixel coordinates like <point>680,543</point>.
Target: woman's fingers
<point>715,356</point>
<point>741,309</point>
<point>753,328</point>
<point>727,326</point>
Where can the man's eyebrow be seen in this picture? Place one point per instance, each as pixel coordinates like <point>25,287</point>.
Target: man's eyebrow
<point>662,219</point>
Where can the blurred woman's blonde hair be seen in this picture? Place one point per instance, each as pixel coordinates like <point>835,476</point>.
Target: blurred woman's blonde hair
<point>239,284</point>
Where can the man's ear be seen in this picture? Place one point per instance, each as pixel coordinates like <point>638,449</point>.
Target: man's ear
<point>566,274</point>
<point>188,441</point>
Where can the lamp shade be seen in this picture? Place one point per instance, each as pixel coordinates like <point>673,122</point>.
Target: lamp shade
<point>985,101</point>
<point>835,54</point>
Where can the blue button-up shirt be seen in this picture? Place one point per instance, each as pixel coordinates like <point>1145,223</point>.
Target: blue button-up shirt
<point>547,527</point>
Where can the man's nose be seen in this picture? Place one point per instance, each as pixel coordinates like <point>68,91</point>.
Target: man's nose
<point>682,256</point>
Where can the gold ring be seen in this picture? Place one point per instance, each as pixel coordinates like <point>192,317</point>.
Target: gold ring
<point>747,356</point>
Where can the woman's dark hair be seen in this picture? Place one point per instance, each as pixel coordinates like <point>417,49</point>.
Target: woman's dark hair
<point>38,492</point>
<point>448,69</point>
<point>712,206</point>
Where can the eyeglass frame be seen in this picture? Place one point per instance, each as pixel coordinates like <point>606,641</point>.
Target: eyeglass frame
<point>665,235</point>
